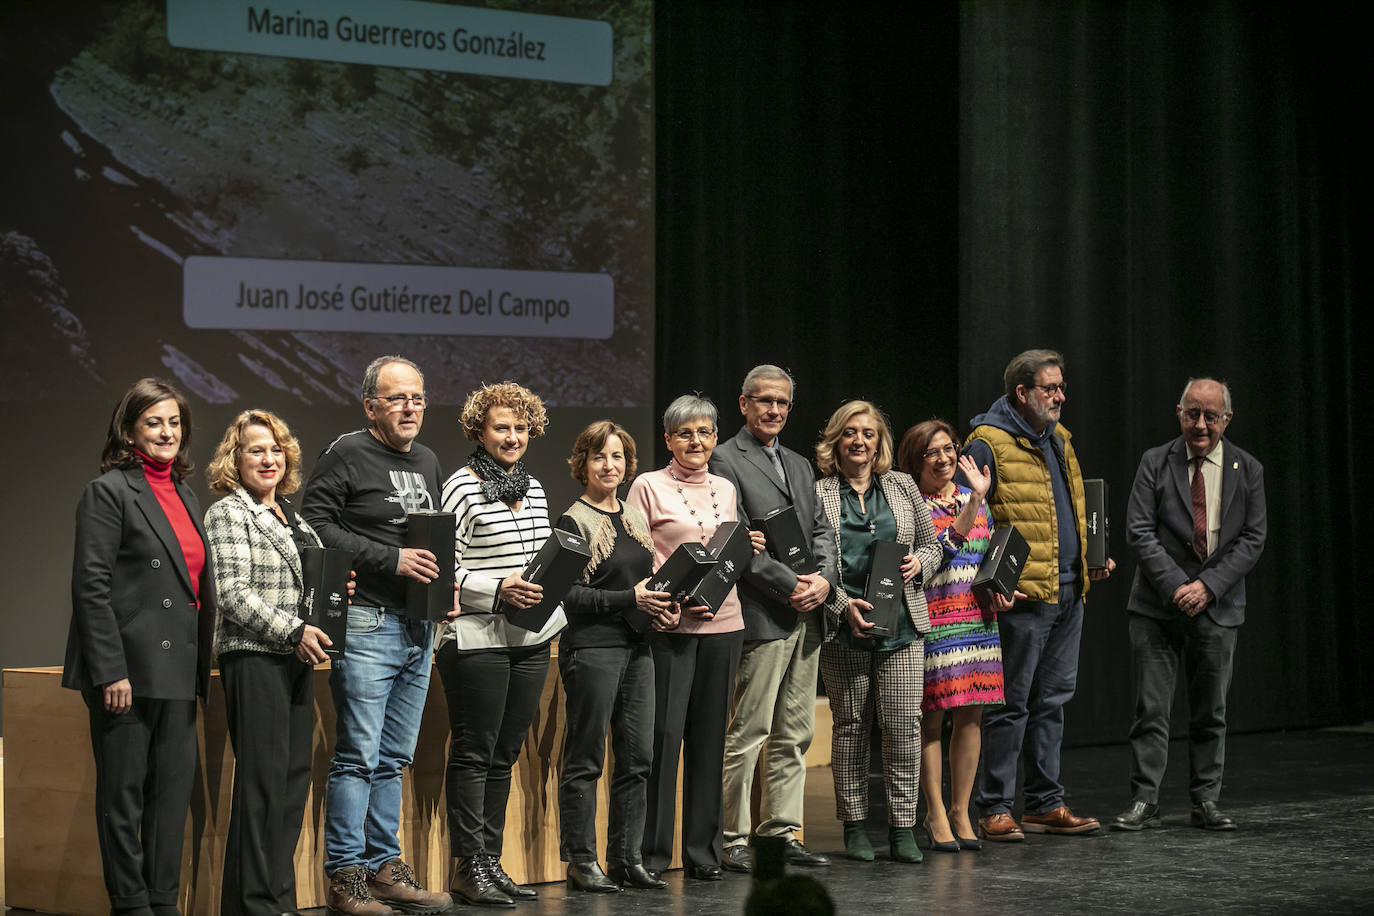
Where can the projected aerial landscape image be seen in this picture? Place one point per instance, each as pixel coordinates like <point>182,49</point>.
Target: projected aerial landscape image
<point>133,155</point>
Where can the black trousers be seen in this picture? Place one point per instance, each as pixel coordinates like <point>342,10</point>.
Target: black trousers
<point>270,705</point>
<point>605,687</point>
<point>492,697</point>
<point>145,766</point>
<point>1206,652</point>
<point>694,678</point>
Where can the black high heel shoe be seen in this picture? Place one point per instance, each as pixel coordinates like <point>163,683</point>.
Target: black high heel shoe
<point>950,846</point>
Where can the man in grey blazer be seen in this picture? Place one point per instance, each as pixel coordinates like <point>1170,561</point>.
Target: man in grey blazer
<point>775,689</point>
<point>1196,525</point>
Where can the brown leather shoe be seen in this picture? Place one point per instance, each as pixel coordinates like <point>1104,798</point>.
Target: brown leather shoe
<point>349,896</point>
<point>1061,820</point>
<point>1000,828</point>
<point>395,885</point>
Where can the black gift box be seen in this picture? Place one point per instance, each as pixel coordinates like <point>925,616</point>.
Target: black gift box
<point>557,567</point>
<point>885,587</point>
<point>433,531</point>
<point>788,542</point>
<point>324,595</point>
<point>732,550</point>
<point>1095,508</point>
<point>683,571</point>
<point>1002,565</point>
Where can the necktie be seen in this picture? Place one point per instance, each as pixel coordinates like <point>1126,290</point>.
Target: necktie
<point>774,457</point>
<point>1199,494</point>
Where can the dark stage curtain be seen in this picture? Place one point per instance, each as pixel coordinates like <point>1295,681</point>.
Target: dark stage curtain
<point>807,205</point>
<point>1162,190</point>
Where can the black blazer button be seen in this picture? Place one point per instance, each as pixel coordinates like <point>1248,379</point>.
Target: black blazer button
<point>166,602</point>
<point>157,564</point>
<point>166,644</point>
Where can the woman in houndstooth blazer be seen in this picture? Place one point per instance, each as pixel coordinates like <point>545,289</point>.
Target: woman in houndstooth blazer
<point>266,657</point>
<point>866,501</point>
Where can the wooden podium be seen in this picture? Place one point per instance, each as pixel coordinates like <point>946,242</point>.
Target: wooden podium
<point>52,863</point>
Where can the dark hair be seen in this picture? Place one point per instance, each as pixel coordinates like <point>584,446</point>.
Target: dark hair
<point>144,393</point>
<point>594,438</point>
<point>911,451</point>
<point>1025,366</point>
<point>790,895</point>
<point>372,374</point>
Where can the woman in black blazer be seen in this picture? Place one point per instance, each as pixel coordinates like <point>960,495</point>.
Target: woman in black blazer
<point>138,648</point>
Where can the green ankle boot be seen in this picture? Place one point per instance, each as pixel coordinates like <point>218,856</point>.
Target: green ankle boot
<point>856,844</point>
<point>901,842</point>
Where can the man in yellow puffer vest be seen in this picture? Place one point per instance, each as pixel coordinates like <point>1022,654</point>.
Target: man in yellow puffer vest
<point>1037,486</point>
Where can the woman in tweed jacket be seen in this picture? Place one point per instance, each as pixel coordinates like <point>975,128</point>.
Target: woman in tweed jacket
<point>266,657</point>
<point>866,501</point>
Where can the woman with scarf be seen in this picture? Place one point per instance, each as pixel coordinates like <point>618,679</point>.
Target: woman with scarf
<point>493,671</point>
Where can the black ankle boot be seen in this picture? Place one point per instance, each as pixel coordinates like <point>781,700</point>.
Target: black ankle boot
<point>472,883</point>
<point>505,883</point>
<point>588,876</point>
<point>634,874</point>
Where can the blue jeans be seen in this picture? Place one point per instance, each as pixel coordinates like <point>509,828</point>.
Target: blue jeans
<point>379,688</point>
<point>1040,665</point>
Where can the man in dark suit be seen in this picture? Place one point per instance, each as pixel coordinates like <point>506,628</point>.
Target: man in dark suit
<point>1196,524</point>
<point>775,688</point>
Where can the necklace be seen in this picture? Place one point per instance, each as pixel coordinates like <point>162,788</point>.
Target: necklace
<point>683,493</point>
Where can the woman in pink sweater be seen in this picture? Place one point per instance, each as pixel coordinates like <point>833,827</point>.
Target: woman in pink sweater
<point>694,664</point>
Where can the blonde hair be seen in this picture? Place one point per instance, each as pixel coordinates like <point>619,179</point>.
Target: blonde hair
<point>521,400</point>
<point>826,459</point>
<point>223,470</point>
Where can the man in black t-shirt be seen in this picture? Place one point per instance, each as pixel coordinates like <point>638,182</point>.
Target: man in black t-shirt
<point>357,498</point>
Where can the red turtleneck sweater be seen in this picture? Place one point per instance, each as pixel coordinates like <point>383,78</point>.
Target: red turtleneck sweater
<point>159,474</point>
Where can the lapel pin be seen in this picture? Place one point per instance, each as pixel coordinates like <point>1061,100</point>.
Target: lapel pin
<point>1235,465</point>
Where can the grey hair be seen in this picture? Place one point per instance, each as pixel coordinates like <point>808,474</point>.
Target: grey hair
<point>1025,366</point>
<point>1225,390</point>
<point>374,370</point>
<point>689,407</point>
<point>767,371</point>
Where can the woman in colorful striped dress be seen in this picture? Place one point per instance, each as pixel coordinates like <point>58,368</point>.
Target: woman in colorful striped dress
<point>963,654</point>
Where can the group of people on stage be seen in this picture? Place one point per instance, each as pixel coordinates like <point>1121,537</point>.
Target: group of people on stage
<point>157,586</point>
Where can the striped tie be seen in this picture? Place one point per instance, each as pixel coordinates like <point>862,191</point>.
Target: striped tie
<point>1199,493</point>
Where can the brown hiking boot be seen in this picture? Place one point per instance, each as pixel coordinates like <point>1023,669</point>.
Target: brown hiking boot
<point>395,885</point>
<point>349,896</point>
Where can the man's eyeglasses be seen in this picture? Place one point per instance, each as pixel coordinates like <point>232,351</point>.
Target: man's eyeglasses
<point>399,401</point>
<point>687,435</point>
<point>774,403</point>
<point>1193,414</point>
<point>1057,387</point>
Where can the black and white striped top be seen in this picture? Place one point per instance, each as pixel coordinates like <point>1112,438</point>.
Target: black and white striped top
<point>492,541</point>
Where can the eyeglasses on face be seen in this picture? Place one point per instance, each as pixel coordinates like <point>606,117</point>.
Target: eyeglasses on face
<point>947,449</point>
<point>399,401</point>
<point>774,403</point>
<point>1056,388</point>
<point>687,435</point>
<point>1192,414</point>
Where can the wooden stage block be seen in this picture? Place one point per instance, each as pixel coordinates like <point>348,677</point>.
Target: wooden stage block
<point>52,863</point>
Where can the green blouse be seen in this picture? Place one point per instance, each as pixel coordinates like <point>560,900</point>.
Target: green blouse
<point>858,530</point>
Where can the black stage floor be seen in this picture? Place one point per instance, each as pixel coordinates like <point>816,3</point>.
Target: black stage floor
<point>1304,802</point>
